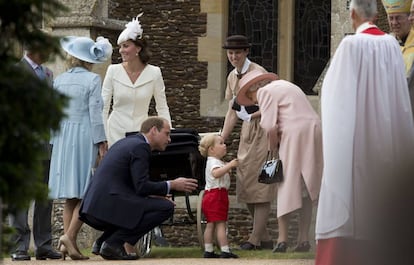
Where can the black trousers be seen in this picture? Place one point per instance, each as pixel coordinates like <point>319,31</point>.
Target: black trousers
<point>42,229</point>
<point>115,235</point>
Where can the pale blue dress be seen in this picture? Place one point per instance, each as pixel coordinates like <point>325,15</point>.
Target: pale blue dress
<point>75,145</point>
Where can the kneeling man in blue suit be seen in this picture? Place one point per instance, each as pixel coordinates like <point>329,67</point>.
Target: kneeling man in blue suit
<point>121,200</point>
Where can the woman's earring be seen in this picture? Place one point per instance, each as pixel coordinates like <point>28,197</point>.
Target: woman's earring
<point>137,54</point>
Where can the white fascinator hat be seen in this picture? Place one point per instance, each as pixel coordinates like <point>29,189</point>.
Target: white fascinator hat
<point>86,49</point>
<point>132,31</point>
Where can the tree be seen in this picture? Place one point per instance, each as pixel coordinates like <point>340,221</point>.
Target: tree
<point>29,108</point>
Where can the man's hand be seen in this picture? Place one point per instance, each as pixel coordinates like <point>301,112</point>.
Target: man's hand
<point>184,184</point>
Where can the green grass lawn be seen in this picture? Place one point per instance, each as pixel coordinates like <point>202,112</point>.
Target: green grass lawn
<point>196,252</point>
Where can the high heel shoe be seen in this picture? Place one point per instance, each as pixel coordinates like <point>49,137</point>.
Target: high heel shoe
<point>69,249</point>
<point>280,247</point>
<point>63,250</point>
<point>302,247</point>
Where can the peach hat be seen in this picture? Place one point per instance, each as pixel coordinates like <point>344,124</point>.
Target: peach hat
<point>249,79</point>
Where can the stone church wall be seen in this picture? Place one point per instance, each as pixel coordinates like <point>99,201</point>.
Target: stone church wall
<point>173,29</point>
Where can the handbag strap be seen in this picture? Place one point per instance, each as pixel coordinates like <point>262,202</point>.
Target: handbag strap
<point>270,155</point>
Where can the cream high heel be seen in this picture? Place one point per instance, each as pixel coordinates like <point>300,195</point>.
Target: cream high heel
<point>69,249</point>
<point>63,250</point>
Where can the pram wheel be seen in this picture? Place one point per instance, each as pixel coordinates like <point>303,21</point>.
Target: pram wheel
<point>143,246</point>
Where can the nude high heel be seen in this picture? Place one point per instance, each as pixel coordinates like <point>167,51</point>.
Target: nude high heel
<point>70,249</point>
<point>63,250</point>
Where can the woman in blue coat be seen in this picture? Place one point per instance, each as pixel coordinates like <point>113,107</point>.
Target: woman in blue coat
<point>81,133</point>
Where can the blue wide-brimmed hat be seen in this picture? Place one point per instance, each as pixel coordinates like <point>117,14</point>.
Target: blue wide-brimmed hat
<point>86,49</point>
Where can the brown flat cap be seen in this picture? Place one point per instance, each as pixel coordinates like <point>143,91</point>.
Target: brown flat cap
<point>236,42</point>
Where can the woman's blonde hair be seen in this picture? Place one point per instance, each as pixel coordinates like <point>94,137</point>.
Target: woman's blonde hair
<point>206,142</point>
<point>72,62</point>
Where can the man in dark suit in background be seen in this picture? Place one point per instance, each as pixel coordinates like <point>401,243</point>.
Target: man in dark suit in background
<point>32,62</point>
<point>121,200</point>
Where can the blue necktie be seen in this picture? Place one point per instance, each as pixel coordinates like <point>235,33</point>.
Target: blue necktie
<point>40,73</point>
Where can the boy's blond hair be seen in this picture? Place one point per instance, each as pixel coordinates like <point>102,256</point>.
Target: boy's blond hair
<point>206,142</point>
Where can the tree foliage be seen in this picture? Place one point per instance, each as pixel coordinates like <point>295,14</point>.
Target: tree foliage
<point>29,108</point>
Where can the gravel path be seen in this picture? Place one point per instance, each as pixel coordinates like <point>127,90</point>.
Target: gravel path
<point>150,261</point>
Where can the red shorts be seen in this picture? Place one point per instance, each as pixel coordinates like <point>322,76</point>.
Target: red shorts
<point>215,205</point>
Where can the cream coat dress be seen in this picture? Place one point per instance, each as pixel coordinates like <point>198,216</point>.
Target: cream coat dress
<point>291,121</point>
<point>252,152</point>
<point>131,100</point>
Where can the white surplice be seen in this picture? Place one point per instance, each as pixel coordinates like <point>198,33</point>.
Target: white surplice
<point>367,131</point>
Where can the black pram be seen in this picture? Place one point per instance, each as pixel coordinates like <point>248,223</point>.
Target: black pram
<point>181,158</point>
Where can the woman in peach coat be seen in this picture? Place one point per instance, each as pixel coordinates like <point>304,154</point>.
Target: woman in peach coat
<point>294,128</point>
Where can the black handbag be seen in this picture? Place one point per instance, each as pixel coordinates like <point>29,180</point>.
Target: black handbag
<point>271,171</point>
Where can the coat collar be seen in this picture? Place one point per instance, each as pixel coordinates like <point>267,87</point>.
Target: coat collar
<point>77,69</point>
<point>146,76</point>
<point>364,26</point>
<point>28,66</point>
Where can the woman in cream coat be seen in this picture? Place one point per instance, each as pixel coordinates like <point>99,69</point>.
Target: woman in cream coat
<point>128,87</point>
<point>294,128</point>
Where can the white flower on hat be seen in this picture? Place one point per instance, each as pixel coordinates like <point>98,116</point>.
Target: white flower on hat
<point>132,31</point>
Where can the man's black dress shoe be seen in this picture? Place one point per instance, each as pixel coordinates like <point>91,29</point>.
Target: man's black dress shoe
<point>115,253</point>
<point>96,247</point>
<point>47,254</point>
<point>20,255</point>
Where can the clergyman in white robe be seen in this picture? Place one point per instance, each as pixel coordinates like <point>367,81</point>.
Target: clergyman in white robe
<point>368,136</point>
